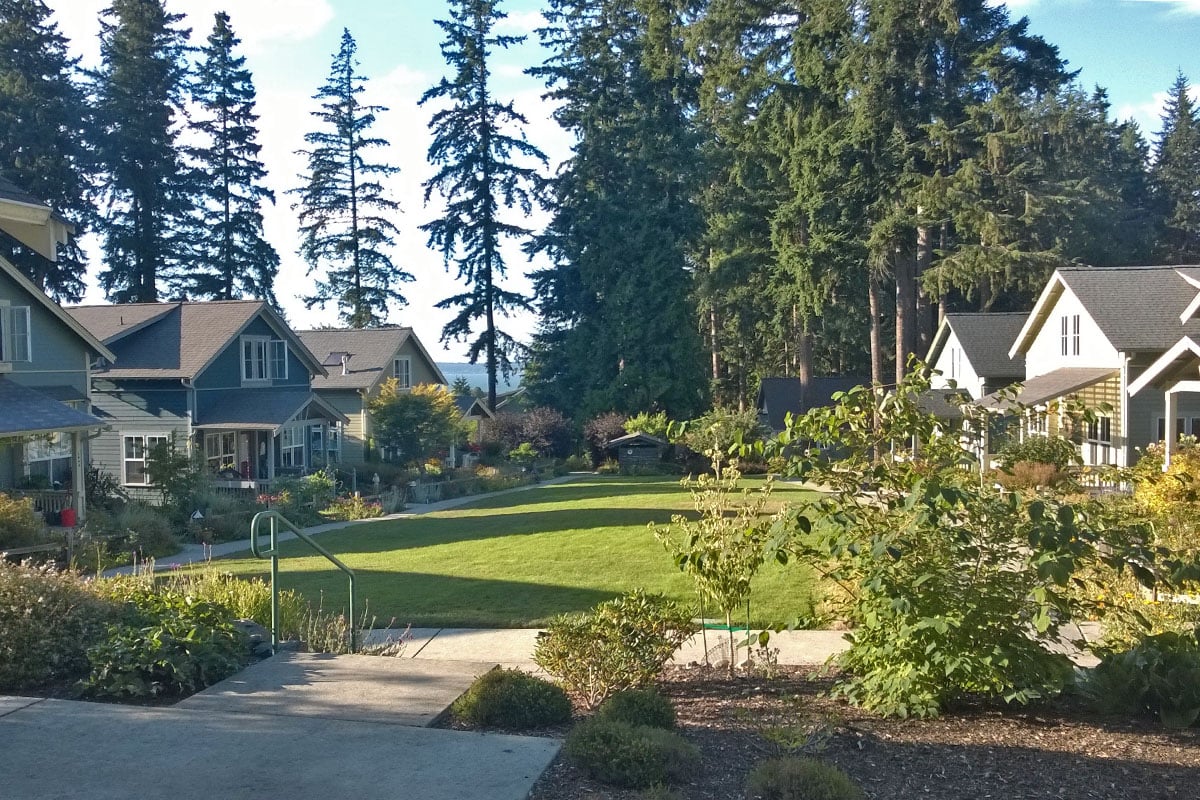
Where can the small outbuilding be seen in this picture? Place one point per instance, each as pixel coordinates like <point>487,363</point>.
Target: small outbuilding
<point>637,450</point>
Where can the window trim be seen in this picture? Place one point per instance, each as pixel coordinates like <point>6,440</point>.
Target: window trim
<point>1099,431</point>
<point>267,355</point>
<point>289,444</point>
<point>146,447</point>
<point>232,457</point>
<point>396,362</point>
<point>1075,334</point>
<point>9,335</point>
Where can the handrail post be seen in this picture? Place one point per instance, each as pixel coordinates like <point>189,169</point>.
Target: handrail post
<point>274,587</point>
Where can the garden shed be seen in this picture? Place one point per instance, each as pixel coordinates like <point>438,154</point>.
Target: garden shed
<point>636,450</point>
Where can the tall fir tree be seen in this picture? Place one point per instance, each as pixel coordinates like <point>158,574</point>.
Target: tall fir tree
<point>139,97</point>
<point>42,141</point>
<point>618,325</point>
<point>475,139</point>
<point>344,211</point>
<point>231,257</point>
<point>1176,176</point>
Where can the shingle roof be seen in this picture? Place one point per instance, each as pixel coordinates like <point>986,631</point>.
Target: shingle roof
<point>25,411</point>
<point>777,397</point>
<point>10,191</point>
<point>174,340</point>
<point>370,350</point>
<point>1137,308</point>
<point>266,409</point>
<point>1059,383</point>
<point>986,338</point>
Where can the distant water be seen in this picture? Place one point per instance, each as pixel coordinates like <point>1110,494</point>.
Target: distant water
<point>476,375</point>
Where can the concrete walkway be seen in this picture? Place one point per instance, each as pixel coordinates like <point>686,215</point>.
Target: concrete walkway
<point>200,553</point>
<point>299,726</point>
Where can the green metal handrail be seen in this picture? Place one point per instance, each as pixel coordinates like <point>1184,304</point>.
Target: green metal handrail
<point>274,517</point>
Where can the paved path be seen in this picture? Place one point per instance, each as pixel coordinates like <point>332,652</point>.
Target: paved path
<point>296,726</point>
<point>199,553</point>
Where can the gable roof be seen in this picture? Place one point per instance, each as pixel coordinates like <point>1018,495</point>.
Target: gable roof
<point>180,339</point>
<point>90,339</point>
<point>777,397</point>
<point>31,222</point>
<point>985,338</point>
<point>1138,309</point>
<point>370,352</point>
<point>1052,385</point>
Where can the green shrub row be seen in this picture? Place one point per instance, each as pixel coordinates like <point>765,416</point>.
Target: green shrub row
<point>510,698</point>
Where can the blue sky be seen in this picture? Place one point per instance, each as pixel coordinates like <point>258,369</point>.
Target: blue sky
<point>1131,47</point>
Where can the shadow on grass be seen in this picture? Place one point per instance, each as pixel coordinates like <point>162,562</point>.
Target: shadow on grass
<point>406,534</point>
<point>597,487</point>
<point>396,599</point>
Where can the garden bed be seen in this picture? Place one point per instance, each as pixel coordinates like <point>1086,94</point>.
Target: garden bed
<point>1059,750</point>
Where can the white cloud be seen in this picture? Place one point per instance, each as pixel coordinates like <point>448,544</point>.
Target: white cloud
<point>1176,6</point>
<point>1148,115</point>
<point>257,23</point>
<point>521,23</point>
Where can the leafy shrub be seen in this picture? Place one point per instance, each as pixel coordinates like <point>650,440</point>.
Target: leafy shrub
<point>242,598</point>
<point>1161,675</point>
<point>546,430</point>
<point>620,644</point>
<point>577,464</point>
<point>168,645</point>
<point>629,756</point>
<point>1029,475</point>
<point>359,476</point>
<point>1056,450</point>
<point>48,619</point>
<point>103,490</point>
<point>352,508</point>
<point>609,467</point>
<point>792,778</point>
<point>19,525</point>
<point>523,454</point>
<point>722,429</point>
<point>510,698</point>
<point>649,424</point>
<point>139,527</point>
<point>639,707</point>
<point>600,430</point>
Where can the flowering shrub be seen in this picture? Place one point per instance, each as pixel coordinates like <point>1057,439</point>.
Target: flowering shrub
<point>351,508</point>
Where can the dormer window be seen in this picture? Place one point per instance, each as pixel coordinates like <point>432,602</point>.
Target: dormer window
<point>263,359</point>
<point>15,338</point>
<point>402,370</point>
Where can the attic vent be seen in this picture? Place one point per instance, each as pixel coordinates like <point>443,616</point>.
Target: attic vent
<point>335,359</point>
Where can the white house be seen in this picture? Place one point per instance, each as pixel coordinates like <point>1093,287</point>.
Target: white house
<point>970,352</point>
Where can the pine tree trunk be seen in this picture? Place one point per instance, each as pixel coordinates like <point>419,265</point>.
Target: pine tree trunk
<point>873,299</point>
<point>906,311</point>
<point>925,305</point>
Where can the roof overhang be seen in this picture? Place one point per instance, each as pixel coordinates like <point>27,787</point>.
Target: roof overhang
<point>54,308</point>
<point>233,417</point>
<point>36,226</point>
<point>939,342</point>
<point>1053,290</point>
<point>1181,362</point>
<point>1059,383</point>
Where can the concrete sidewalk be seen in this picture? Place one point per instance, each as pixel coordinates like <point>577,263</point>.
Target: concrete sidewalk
<point>199,553</point>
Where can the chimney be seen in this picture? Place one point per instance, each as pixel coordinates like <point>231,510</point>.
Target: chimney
<point>345,363</point>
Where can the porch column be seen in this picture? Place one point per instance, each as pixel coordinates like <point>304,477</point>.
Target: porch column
<point>78,466</point>
<point>271,455</point>
<point>1172,404</point>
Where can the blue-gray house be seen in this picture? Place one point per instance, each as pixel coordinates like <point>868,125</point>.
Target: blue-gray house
<point>45,359</point>
<point>228,377</point>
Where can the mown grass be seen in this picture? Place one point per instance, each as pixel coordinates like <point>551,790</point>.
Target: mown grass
<point>517,560</point>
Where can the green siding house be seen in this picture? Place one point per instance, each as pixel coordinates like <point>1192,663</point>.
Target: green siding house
<point>45,360</point>
<point>227,377</point>
<point>357,363</point>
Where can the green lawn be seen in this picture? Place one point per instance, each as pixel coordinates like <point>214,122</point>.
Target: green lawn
<point>517,560</point>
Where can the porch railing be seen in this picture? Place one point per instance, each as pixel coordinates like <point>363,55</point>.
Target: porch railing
<point>47,501</point>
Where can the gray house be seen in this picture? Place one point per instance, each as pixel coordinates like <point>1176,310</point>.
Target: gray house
<point>45,359</point>
<point>227,377</point>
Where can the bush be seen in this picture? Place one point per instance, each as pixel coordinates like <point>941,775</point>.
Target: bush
<point>609,467</point>
<point>138,527</point>
<point>242,598</point>
<point>1161,675</point>
<point>639,707</point>
<point>621,644</point>
<point>168,645</point>
<point>19,525</point>
<point>625,755</point>
<point>352,508</point>
<point>791,778</point>
<point>510,698</point>
<point>721,429</point>
<point>1030,475</point>
<point>545,429</point>
<point>48,619</point>
<point>1056,450</point>
<point>649,424</point>
<point>577,464</point>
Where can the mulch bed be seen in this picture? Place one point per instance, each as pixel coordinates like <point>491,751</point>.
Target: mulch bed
<point>1058,750</point>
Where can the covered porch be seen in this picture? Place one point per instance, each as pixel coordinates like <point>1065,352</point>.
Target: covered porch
<point>249,439</point>
<point>1175,372</point>
<point>42,450</point>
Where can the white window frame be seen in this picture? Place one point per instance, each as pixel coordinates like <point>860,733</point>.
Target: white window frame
<point>278,360</point>
<point>149,442</point>
<point>1063,333</point>
<point>1075,334</point>
<point>403,376</point>
<point>291,439</point>
<point>220,449</point>
<point>1099,431</point>
<point>263,359</point>
<point>1038,422</point>
<point>48,449</point>
<point>333,442</point>
<point>16,335</point>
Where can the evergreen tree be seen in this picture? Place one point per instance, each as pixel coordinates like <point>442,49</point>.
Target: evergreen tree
<point>1176,176</point>
<point>42,146</point>
<point>139,89</point>
<point>343,207</point>
<point>231,257</point>
<point>474,141</point>
<point>618,328</point>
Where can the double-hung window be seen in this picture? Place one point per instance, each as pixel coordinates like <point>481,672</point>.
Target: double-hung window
<point>136,455</point>
<point>402,369</point>
<point>263,359</point>
<point>49,457</point>
<point>291,446</point>
<point>15,339</point>
<point>220,451</point>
